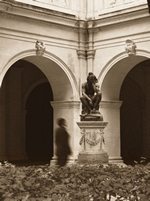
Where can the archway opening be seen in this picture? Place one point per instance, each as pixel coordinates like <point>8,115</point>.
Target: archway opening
<point>134,114</point>
<point>111,88</point>
<point>39,123</point>
<point>27,114</point>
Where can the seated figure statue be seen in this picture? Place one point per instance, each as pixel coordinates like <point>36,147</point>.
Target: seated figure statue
<point>91,97</point>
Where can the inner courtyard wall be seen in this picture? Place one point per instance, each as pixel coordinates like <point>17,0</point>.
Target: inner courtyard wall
<point>81,43</point>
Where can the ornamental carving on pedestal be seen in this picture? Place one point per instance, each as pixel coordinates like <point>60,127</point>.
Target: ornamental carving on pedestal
<point>92,138</point>
<point>39,48</point>
<point>130,47</point>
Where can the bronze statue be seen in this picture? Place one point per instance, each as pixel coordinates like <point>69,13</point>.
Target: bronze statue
<point>91,97</point>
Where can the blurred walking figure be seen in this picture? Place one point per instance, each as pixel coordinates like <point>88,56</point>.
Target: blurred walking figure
<point>62,143</point>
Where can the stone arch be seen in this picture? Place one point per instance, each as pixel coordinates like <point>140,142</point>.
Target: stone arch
<point>67,100</point>
<point>122,64</point>
<point>50,56</point>
<point>111,79</point>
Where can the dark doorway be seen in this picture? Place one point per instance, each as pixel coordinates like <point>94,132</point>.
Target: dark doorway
<point>39,123</point>
<point>132,116</point>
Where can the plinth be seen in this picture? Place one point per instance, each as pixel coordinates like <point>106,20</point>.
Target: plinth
<point>92,142</point>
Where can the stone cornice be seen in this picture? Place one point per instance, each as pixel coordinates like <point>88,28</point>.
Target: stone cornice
<point>14,8</point>
<point>82,54</point>
<point>124,9</point>
<point>86,54</point>
<point>111,104</point>
<point>85,50</point>
<point>91,54</point>
<point>65,104</point>
<point>22,10</point>
<point>36,8</point>
<point>82,24</point>
<point>92,124</point>
<point>117,17</point>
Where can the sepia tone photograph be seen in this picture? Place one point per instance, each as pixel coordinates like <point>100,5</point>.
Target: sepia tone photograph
<point>74,100</point>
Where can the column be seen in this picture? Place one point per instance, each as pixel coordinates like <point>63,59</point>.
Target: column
<point>81,52</point>
<point>90,46</point>
<point>2,124</point>
<point>111,114</point>
<point>70,111</point>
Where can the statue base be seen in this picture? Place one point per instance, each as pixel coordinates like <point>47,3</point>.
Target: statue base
<point>93,158</point>
<point>91,117</point>
<point>92,142</point>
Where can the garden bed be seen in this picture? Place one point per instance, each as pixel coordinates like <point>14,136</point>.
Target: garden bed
<point>74,182</point>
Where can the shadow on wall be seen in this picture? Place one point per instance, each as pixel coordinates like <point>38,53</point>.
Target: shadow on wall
<point>39,123</point>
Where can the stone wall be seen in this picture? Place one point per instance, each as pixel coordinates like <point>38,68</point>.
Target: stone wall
<point>76,37</point>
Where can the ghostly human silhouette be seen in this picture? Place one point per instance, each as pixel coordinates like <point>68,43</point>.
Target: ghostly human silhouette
<point>62,143</point>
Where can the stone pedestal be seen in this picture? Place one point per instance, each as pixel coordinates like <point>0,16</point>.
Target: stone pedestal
<point>92,142</point>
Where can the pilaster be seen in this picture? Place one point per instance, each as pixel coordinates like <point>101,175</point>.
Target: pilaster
<point>111,113</point>
<point>90,48</point>
<point>69,110</point>
<point>2,124</point>
<point>81,51</point>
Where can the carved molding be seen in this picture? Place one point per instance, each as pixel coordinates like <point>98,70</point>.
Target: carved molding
<point>111,104</point>
<point>130,47</point>
<point>60,3</point>
<point>109,18</point>
<point>91,54</point>
<point>92,137</point>
<point>91,24</point>
<point>65,104</point>
<point>86,54</point>
<point>40,49</point>
<point>82,54</point>
<point>92,124</point>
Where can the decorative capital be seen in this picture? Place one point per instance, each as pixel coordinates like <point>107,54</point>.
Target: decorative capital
<point>81,24</point>
<point>40,49</point>
<point>91,24</point>
<point>91,54</point>
<point>130,47</point>
<point>81,54</point>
